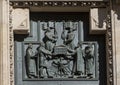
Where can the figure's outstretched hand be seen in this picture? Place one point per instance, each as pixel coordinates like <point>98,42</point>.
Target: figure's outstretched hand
<point>48,58</point>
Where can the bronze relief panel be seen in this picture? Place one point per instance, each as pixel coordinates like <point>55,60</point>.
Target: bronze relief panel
<point>59,51</point>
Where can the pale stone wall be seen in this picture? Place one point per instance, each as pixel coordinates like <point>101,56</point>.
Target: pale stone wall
<point>0,43</point>
<point>4,43</point>
<point>116,42</point>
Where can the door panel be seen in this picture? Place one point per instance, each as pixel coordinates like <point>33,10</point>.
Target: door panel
<point>60,51</point>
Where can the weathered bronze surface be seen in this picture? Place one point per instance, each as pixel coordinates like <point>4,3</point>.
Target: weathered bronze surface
<point>59,51</point>
<point>60,54</point>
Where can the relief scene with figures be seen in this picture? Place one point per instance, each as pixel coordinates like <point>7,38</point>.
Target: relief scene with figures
<point>60,52</point>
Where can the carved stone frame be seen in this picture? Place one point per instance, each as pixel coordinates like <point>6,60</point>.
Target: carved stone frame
<point>96,4</point>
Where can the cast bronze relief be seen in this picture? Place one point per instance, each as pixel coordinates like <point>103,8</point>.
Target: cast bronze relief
<point>80,64</point>
<point>60,53</point>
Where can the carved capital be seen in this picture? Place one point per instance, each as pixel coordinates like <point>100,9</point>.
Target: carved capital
<point>21,20</point>
<point>97,20</point>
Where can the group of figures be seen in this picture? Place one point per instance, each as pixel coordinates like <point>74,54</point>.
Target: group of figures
<point>67,60</point>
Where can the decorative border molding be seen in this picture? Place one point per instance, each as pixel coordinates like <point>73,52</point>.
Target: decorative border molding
<point>109,49</point>
<point>59,3</point>
<point>11,48</point>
